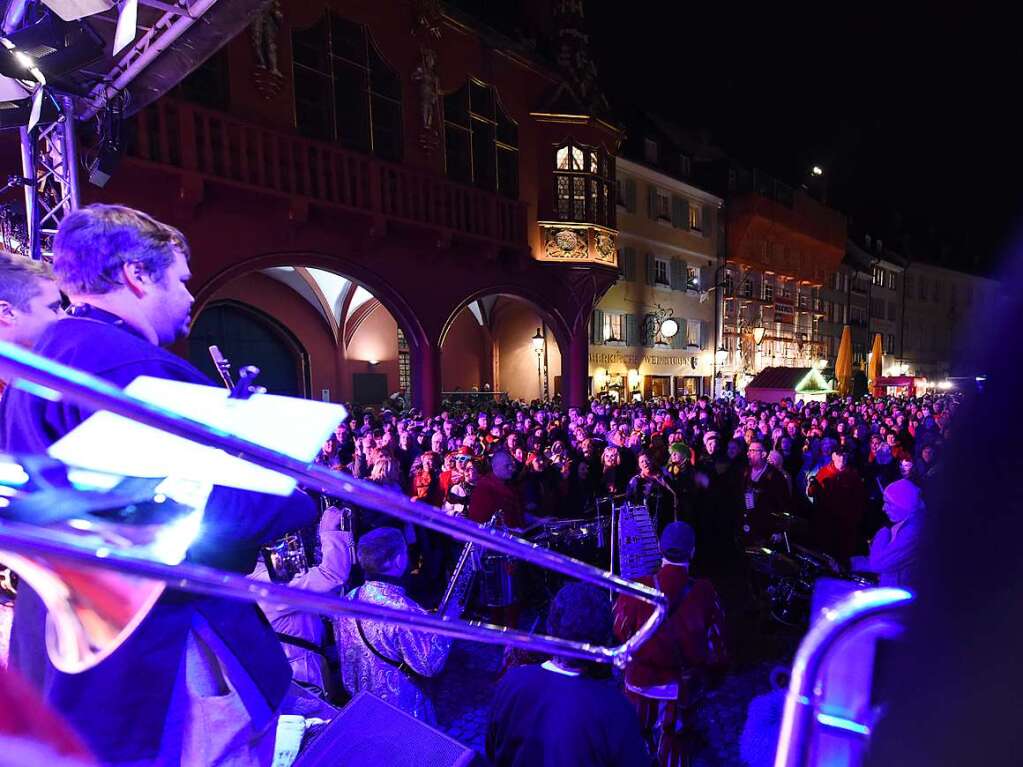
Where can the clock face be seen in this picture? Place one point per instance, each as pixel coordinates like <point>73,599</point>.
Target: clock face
<point>669,328</point>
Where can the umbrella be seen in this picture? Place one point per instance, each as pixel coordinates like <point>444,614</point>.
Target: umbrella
<point>876,358</point>
<point>843,364</point>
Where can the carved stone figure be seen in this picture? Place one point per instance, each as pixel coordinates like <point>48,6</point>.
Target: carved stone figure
<point>429,88</point>
<point>263,33</point>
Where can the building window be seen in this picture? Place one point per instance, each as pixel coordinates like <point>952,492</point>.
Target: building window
<point>877,308</point>
<point>208,85</point>
<point>891,280</point>
<point>663,205</point>
<point>620,192</point>
<point>685,165</point>
<point>404,364</point>
<point>661,274</point>
<point>729,284</point>
<point>747,286</point>
<point>480,140</point>
<point>878,276</point>
<point>890,345</point>
<point>650,150</point>
<point>923,288</point>
<point>768,290</point>
<point>614,331</point>
<point>693,333</point>
<point>891,310</point>
<point>695,218</point>
<point>344,90</point>
<point>693,280</point>
<point>937,291</point>
<point>582,183</point>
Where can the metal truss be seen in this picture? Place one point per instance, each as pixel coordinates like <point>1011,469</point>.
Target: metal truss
<point>49,158</point>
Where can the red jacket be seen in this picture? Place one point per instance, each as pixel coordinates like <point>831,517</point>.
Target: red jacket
<point>690,640</point>
<point>492,495</point>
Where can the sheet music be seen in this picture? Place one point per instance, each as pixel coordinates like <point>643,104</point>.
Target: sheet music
<point>109,443</point>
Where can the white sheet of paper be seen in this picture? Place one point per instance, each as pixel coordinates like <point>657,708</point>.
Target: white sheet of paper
<point>109,443</point>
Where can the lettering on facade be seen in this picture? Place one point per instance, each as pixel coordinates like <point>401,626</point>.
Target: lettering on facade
<point>635,360</point>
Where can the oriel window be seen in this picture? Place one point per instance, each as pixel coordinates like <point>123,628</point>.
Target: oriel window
<point>344,89</point>
<point>583,181</point>
<point>481,143</point>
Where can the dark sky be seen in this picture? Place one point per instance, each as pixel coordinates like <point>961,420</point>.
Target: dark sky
<point>913,112</point>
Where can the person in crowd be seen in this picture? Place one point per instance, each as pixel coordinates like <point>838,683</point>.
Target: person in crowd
<point>192,658</point>
<point>681,479</point>
<point>763,497</point>
<point>839,502</point>
<point>566,712</point>
<point>302,634</point>
<point>650,488</point>
<point>893,552</point>
<point>497,493</point>
<point>388,660</point>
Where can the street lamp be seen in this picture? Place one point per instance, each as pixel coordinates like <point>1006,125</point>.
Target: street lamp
<point>817,170</point>
<point>758,334</point>
<point>721,355</point>
<point>538,344</point>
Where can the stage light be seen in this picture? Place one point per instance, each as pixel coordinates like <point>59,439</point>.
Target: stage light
<point>817,170</point>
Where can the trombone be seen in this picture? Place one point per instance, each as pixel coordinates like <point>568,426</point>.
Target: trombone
<point>22,541</point>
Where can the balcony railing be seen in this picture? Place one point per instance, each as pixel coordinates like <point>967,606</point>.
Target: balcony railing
<point>221,147</point>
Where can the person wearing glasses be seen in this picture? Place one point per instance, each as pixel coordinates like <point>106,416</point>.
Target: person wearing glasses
<point>763,497</point>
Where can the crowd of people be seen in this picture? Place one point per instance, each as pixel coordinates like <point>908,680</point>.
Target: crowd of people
<point>844,477</point>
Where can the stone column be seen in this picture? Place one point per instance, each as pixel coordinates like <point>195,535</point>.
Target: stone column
<point>426,385</point>
<point>575,367</point>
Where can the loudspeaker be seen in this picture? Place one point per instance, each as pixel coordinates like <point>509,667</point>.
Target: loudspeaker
<point>369,731</point>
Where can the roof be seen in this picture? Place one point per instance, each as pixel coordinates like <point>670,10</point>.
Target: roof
<point>807,380</point>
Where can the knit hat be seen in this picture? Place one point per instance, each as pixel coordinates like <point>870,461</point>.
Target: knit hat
<point>677,542</point>
<point>903,498</point>
<point>678,447</point>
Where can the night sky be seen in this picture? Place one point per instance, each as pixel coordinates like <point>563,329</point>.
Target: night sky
<point>913,113</point>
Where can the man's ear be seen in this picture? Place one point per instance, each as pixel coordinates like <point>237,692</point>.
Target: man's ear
<point>136,278</point>
<point>8,314</point>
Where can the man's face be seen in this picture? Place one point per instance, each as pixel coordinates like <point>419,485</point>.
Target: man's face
<point>756,454</point>
<point>711,443</point>
<point>24,326</point>
<point>169,303</point>
<point>838,459</point>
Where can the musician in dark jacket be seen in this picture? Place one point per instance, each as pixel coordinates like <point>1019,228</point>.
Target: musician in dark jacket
<point>192,657</point>
<point>668,673</point>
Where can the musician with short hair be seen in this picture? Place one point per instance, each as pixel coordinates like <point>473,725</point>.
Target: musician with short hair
<point>193,660</point>
<point>388,660</point>
<point>29,300</point>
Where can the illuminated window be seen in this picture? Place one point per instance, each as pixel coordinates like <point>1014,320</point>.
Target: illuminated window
<point>344,90</point>
<point>613,328</point>
<point>693,280</point>
<point>695,218</point>
<point>480,140</point>
<point>582,184</point>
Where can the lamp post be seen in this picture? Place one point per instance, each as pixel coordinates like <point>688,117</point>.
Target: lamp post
<point>538,344</point>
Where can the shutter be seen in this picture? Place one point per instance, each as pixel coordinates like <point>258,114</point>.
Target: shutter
<point>630,264</point>
<point>597,328</point>
<point>683,215</point>
<point>649,330</point>
<point>651,269</point>
<point>678,213</point>
<point>677,271</point>
<point>704,334</point>
<point>683,333</point>
<point>707,221</point>
<point>631,330</point>
<point>651,201</point>
<point>630,195</point>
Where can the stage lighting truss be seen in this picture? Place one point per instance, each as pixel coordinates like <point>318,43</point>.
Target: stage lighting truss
<point>48,148</point>
<point>49,157</point>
